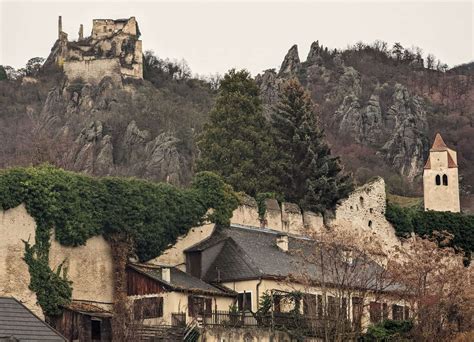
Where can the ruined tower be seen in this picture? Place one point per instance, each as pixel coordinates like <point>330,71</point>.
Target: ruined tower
<point>60,26</point>
<point>440,178</point>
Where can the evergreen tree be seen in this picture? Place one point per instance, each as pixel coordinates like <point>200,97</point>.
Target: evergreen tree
<point>236,143</point>
<point>3,73</point>
<point>311,177</point>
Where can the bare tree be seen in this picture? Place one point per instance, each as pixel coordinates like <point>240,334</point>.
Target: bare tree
<point>437,285</point>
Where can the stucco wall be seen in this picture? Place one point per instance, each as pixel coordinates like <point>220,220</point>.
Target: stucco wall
<point>90,268</point>
<point>174,256</point>
<point>16,225</point>
<point>441,197</point>
<point>93,71</point>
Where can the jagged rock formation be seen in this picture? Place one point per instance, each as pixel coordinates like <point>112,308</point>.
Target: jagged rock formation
<point>395,125</point>
<point>291,63</point>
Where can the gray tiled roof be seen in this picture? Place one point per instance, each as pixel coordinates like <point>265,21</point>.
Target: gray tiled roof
<point>179,280</point>
<point>251,252</point>
<point>18,322</point>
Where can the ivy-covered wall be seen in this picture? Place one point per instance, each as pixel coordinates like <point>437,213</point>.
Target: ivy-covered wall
<point>412,219</point>
<point>78,207</point>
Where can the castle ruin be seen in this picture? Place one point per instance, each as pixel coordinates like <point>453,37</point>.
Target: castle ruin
<point>113,49</point>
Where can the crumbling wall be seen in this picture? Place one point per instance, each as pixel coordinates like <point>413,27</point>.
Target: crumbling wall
<point>93,71</point>
<point>363,214</point>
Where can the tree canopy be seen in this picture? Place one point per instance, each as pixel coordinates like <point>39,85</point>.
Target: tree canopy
<point>236,143</point>
<point>311,176</point>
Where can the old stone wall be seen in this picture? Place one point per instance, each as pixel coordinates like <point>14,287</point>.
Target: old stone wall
<point>363,215</point>
<point>93,71</point>
<point>89,266</point>
<point>16,225</point>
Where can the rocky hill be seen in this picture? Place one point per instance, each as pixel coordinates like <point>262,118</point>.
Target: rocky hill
<point>380,112</point>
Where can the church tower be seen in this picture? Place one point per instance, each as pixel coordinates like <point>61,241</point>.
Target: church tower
<point>440,178</point>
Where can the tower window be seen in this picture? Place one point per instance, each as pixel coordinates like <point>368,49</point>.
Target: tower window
<point>445,180</point>
<point>438,180</point>
<point>370,224</point>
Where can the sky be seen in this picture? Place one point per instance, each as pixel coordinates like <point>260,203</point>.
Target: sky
<point>216,36</point>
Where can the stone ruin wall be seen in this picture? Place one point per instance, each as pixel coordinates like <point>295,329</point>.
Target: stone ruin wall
<point>362,214</point>
<point>89,266</point>
<point>93,71</point>
<point>113,50</point>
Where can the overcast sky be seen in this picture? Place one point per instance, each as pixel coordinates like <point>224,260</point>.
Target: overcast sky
<point>216,36</point>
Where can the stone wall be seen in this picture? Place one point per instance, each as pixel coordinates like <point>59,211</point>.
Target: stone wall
<point>93,71</point>
<point>89,266</point>
<point>363,215</point>
<point>16,225</point>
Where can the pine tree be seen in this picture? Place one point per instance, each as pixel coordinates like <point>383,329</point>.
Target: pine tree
<point>310,177</point>
<point>236,143</point>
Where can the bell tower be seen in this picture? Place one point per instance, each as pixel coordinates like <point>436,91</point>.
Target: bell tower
<point>440,178</point>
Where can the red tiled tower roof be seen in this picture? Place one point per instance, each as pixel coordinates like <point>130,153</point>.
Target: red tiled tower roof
<point>439,144</point>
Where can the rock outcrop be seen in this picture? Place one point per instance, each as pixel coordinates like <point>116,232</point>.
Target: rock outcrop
<point>291,63</point>
<point>395,125</point>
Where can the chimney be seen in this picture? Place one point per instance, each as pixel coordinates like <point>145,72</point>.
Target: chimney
<point>166,274</point>
<point>60,26</point>
<point>81,32</point>
<point>282,242</point>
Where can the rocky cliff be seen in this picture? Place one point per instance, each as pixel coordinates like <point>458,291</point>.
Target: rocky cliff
<point>385,116</point>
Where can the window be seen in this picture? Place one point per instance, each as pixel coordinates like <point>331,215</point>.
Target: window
<point>407,312</point>
<point>384,311</point>
<point>199,305</point>
<point>95,329</point>
<point>361,201</point>
<point>445,180</point>
<point>320,306</point>
<point>277,301</point>
<point>375,311</point>
<point>310,304</point>
<point>397,312</point>
<point>332,307</point>
<point>344,308</point>
<point>244,301</point>
<point>370,223</point>
<point>357,312</point>
<point>438,180</point>
<point>193,264</point>
<point>371,210</point>
<point>150,307</point>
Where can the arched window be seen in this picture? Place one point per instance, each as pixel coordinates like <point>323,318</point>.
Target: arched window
<point>370,223</point>
<point>361,199</point>
<point>445,180</point>
<point>438,180</point>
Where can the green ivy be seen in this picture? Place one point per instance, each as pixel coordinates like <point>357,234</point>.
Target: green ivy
<point>424,223</point>
<point>79,207</point>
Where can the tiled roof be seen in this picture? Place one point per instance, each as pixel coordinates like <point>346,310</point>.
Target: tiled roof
<point>438,144</point>
<point>428,163</point>
<point>19,323</point>
<point>251,253</point>
<point>451,163</point>
<point>179,280</point>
